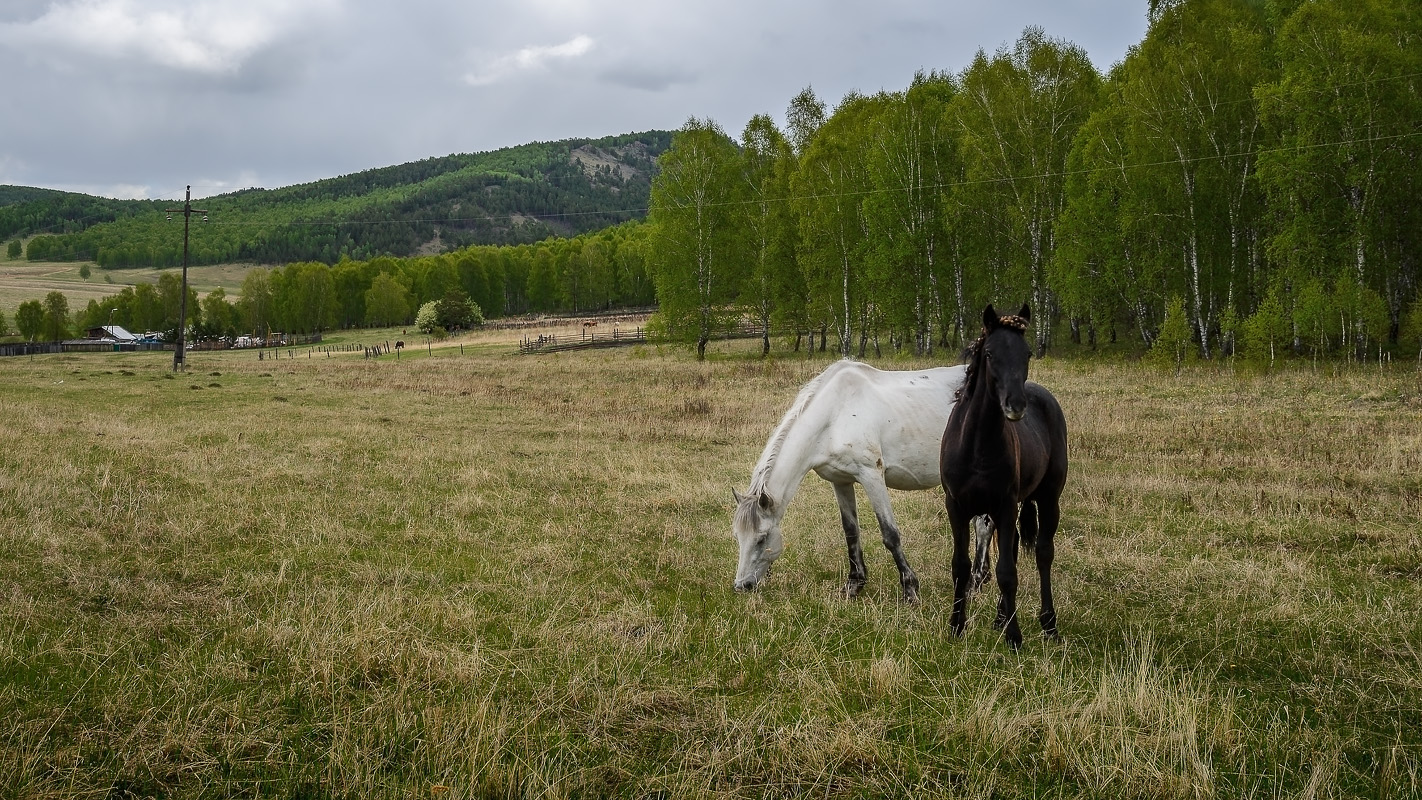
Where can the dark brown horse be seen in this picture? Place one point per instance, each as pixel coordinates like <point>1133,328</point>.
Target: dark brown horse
<point>1005,444</point>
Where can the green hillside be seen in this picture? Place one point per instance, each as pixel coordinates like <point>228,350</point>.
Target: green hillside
<point>509,196</point>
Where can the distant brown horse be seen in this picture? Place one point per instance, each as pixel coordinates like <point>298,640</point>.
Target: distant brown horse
<point>1005,443</point>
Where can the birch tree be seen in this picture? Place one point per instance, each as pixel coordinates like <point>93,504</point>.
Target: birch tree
<point>911,157</point>
<point>768,225</point>
<point>1019,112</point>
<point>1342,183</point>
<point>829,189</point>
<point>693,211</point>
<point>1193,139</point>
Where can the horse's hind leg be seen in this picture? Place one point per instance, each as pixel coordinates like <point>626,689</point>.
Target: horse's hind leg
<point>849,515</point>
<point>1050,515</point>
<point>879,498</point>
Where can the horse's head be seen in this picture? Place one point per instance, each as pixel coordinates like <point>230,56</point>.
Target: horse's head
<point>1005,354</point>
<point>757,530</point>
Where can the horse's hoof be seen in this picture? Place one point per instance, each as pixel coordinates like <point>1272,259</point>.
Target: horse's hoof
<point>910,587</point>
<point>852,589</point>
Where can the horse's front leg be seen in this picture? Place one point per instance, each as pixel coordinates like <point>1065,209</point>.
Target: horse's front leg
<point>1006,519</point>
<point>958,521</point>
<point>849,515</point>
<point>879,497</point>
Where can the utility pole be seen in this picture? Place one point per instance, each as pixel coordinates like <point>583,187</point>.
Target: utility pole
<point>179,354</point>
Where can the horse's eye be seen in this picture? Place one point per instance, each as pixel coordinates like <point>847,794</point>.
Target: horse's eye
<point>988,356</point>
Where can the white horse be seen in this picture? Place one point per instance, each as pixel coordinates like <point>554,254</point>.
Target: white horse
<point>851,424</point>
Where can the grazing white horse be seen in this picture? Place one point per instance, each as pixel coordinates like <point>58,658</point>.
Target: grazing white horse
<point>851,424</point>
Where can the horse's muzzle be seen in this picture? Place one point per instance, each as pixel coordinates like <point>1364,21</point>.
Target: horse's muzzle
<point>745,586</point>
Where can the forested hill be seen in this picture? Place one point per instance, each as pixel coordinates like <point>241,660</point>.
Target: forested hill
<point>509,196</point>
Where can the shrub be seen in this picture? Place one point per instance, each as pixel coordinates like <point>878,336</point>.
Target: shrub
<point>1266,331</point>
<point>1173,346</point>
<point>455,311</point>
<point>426,319</point>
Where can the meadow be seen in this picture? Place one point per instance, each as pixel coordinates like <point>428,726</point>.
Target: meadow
<point>468,573</point>
<point>22,281</point>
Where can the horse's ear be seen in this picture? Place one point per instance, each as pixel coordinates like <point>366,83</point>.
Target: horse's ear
<point>736,495</point>
<point>765,502</point>
<point>1025,313</point>
<point>990,319</point>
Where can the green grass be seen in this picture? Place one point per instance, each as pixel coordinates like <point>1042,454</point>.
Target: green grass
<point>488,575</point>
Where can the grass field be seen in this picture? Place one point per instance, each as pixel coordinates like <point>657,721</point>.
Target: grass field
<point>21,281</point>
<point>483,575</point>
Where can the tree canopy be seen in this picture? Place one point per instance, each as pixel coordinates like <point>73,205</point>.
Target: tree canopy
<point>1244,158</point>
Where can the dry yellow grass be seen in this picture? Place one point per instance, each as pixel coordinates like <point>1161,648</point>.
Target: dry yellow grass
<point>21,281</point>
<point>477,574</point>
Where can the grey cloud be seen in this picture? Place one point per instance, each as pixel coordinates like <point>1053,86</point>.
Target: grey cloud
<point>357,84</point>
<point>646,78</point>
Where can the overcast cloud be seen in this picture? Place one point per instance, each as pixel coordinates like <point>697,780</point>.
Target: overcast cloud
<point>135,98</point>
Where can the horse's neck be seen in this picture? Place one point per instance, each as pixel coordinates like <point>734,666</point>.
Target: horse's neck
<point>983,420</point>
<point>789,456</point>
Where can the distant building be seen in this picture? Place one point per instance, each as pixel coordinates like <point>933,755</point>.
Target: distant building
<point>110,333</point>
<point>111,338</point>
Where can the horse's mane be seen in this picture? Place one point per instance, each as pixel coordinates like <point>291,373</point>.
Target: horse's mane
<point>782,431</point>
<point>975,353</point>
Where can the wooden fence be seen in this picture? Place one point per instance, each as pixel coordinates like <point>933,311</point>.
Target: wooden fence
<point>30,348</point>
<point>587,339</point>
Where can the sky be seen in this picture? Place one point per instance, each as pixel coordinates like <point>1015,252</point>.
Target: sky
<point>138,98</point>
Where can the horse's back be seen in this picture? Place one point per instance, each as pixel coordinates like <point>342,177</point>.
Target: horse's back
<point>891,421</point>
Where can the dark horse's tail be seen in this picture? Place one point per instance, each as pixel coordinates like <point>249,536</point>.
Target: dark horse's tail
<point>1027,526</point>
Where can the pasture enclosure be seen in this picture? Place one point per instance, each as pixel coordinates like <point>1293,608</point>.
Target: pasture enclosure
<point>491,576</point>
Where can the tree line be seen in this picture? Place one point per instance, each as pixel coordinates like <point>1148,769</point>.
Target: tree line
<point>596,271</point>
<point>1244,180</point>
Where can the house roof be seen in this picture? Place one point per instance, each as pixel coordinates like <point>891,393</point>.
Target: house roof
<point>116,332</point>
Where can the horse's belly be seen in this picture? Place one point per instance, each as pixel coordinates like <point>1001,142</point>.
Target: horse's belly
<point>911,477</point>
